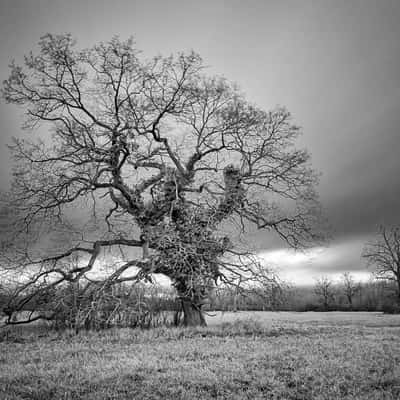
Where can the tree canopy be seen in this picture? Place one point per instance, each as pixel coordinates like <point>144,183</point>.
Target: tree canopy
<point>162,155</point>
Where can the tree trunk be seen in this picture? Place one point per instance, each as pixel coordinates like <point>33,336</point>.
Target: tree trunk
<point>398,290</point>
<point>192,314</point>
<point>350,299</point>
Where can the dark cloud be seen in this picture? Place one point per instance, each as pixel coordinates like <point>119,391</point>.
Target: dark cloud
<point>361,190</point>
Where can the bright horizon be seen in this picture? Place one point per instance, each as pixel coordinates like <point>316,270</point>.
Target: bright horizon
<point>303,268</point>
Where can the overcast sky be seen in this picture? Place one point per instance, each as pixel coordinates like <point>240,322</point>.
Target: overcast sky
<point>334,64</point>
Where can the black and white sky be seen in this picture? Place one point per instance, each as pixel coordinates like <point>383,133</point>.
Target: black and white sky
<point>334,64</point>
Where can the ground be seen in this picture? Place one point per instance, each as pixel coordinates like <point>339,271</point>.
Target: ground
<point>239,356</point>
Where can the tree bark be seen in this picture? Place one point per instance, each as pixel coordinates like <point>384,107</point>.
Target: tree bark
<point>398,292</point>
<point>192,314</point>
<point>350,300</point>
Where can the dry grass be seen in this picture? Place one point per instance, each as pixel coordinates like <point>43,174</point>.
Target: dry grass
<point>239,356</point>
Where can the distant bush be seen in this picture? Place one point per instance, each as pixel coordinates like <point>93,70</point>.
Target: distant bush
<point>392,308</point>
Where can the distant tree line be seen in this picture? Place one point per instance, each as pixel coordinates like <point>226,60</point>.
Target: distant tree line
<point>344,295</point>
<point>325,295</point>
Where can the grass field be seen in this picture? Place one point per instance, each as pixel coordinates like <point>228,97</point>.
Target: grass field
<point>238,356</point>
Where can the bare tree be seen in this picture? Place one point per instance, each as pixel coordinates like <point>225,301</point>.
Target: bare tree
<point>152,155</point>
<point>384,255</point>
<point>351,288</point>
<point>324,290</point>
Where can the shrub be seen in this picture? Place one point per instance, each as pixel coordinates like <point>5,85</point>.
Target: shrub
<point>391,308</point>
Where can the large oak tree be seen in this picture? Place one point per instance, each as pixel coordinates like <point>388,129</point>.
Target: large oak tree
<point>163,156</point>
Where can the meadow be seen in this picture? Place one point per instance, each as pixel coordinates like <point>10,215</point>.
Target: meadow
<point>243,355</point>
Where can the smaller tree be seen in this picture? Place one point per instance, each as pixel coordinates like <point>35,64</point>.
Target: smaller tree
<point>324,290</point>
<point>384,255</point>
<point>350,287</point>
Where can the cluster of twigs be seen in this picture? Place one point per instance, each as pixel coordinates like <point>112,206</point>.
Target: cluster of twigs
<point>76,307</point>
